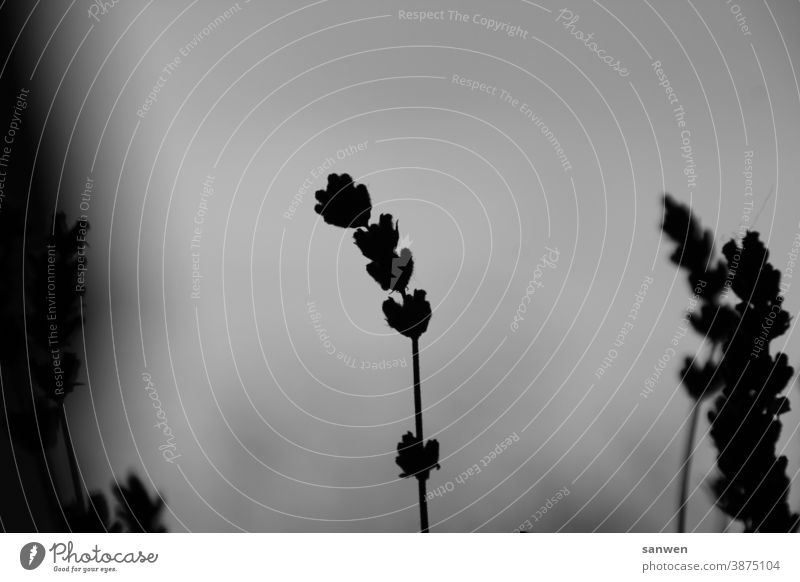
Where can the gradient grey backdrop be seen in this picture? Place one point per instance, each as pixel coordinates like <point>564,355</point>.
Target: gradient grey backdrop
<point>273,433</point>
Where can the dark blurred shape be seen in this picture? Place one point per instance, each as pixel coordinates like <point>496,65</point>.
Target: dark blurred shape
<point>40,308</point>
<point>35,430</point>
<point>94,519</point>
<point>57,386</point>
<point>29,500</point>
<point>707,275</point>
<point>753,486</point>
<point>755,279</point>
<point>695,248</point>
<point>343,203</point>
<point>136,510</point>
<point>54,315</point>
<point>701,381</point>
<point>715,321</point>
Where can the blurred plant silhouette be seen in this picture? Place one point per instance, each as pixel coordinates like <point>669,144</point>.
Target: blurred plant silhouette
<point>43,371</point>
<point>135,511</point>
<point>695,252</point>
<point>94,519</point>
<point>53,315</point>
<point>744,379</point>
<point>347,205</point>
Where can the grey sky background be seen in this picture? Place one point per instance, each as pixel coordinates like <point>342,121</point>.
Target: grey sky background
<point>275,434</point>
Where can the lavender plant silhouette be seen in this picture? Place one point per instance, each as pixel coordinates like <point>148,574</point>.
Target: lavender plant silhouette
<point>54,315</point>
<point>695,252</point>
<point>348,205</point>
<point>752,486</point>
<point>47,313</point>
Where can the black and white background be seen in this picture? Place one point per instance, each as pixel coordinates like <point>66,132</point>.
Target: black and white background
<point>192,136</point>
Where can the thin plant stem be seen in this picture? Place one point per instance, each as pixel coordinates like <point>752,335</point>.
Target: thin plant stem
<point>423,505</point>
<point>73,461</point>
<point>417,388</point>
<point>423,495</point>
<point>687,466</point>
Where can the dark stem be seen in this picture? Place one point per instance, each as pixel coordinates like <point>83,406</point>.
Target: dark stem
<point>687,465</point>
<point>423,506</point>
<point>423,501</point>
<point>417,389</point>
<point>73,461</point>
